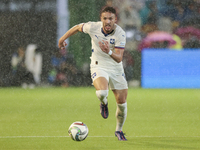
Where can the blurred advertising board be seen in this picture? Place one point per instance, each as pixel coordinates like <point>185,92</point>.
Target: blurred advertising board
<point>165,68</point>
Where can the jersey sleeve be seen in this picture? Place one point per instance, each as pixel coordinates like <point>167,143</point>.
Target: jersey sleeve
<point>121,40</point>
<point>87,27</point>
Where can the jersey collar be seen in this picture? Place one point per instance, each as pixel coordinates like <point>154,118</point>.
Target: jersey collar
<point>105,34</point>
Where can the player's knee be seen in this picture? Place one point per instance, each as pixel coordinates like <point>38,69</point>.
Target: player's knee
<point>101,94</point>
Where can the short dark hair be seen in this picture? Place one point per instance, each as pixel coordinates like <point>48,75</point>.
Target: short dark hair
<point>108,9</point>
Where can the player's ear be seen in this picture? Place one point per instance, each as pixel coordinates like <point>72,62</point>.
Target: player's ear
<point>115,19</point>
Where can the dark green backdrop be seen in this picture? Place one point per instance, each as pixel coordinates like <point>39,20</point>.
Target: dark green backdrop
<point>83,11</point>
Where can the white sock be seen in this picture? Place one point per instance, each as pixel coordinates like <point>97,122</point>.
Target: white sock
<point>121,114</point>
<point>102,96</point>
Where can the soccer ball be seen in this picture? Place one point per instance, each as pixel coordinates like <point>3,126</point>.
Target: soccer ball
<point>78,131</point>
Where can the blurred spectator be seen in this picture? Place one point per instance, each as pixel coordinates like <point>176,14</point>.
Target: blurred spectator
<point>150,26</point>
<point>64,71</point>
<point>18,59</point>
<point>150,10</point>
<point>56,75</point>
<point>33,62</point>
<point>129,17</point>
<point>149,15</point>
<point>180,12</point>
<point>192,17</point>
<point>18,67</point>
<point>165,24</point>
<point>191,9</point>
<point>26,67</point>
<point>160,44</point>
<point>58,58</point>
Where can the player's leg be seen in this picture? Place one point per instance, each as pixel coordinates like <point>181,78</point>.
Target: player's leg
<point>119,86</point>
<point>121,112</point>
<point>100,81</point>
<point>101,85</point>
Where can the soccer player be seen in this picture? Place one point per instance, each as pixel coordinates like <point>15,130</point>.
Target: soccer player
<point>108,43</point>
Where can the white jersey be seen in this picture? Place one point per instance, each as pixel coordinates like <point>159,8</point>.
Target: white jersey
<point>116,39</point>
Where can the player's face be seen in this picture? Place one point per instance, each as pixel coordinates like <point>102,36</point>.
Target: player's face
<point>108,20</point>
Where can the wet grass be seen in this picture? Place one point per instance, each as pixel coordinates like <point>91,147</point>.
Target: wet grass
<point>158,119</point>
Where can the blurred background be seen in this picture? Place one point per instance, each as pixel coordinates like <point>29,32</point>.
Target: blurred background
<point>30,29</point>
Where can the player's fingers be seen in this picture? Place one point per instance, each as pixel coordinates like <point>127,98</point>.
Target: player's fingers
<point>106,42</point>
<point>100,44</point>
<point>64,44</point>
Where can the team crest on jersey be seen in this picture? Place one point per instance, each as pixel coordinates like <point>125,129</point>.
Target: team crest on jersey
<point>112,41</point>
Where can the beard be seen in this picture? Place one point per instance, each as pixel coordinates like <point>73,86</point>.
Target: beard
<point>108,28</point>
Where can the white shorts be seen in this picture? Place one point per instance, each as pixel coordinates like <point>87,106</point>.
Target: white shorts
<point>116,80</point>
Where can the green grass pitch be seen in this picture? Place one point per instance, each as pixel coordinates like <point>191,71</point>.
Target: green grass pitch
<point>158,119</point>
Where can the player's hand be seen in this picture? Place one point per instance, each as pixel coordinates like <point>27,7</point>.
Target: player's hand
<point>62,45</point>
<point>104,46</point>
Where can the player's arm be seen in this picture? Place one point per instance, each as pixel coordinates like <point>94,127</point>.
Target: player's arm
<point>70,32</point>
<point>117,55</point>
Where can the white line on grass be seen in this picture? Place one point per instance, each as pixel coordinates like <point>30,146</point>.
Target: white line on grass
<point>4,137</point>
